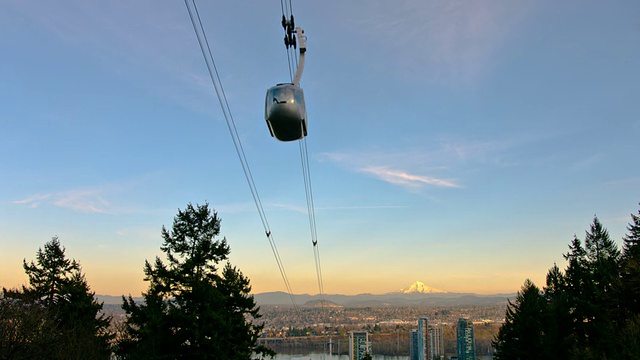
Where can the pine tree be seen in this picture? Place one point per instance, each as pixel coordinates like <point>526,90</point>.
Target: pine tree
<point>192,308</point>
<point>591,309</point>
<point>557,319</point>
<point>522,334</point>
<point>603,257</point>
<point>628,293</point>
<point>73,326</point>
<point>591,280</point>
<point>147,333</point>
<point>630,273</point>
<point>50,274</point>
<point>632,239</point>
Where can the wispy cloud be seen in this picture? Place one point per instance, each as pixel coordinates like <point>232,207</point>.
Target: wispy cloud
<point>443,163</point>
<point>290,207</point>
<point>412,169</point>
<point>88,200</point>
<point>365,207</point>
<point>406,179</point>
<point>303,210</point>
<point>456,40</point>
<point>83,200</point>
<point>34,200</point>
<point>441,154</point>
<point>115,197</point>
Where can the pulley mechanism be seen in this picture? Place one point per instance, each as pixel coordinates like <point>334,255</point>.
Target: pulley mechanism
<point>289,26</point>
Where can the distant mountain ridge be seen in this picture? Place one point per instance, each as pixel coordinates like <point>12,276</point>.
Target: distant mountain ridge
<point>389,299</point>
<point>417,294</point>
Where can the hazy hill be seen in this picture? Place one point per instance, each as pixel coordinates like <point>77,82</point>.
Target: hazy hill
<point>390,299</point>
<point>417,294</point>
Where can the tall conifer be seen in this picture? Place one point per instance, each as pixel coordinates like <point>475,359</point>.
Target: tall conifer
<point>72,319</point>
<point>197,306</point>
<point>522,334</point>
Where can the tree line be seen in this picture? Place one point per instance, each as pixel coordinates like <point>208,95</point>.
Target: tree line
<point>589,310</point>
<point>197,305</point>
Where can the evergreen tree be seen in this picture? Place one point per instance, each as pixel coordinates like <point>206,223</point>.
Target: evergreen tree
<point>590,311</point>
<point>71,321</point>
<point>192,309</point>
<point>522,334</point>
<point>592,276</point>
<point>629,291</point>
<point>578,289</point>
<point>603,259</point>
<point>603,256</point>
<point>557,319</point>
<point>632,239</point>
<point>147,333</point>
<point>50,274</point>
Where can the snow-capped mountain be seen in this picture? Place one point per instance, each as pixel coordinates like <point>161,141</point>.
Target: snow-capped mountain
<point>420,287</point>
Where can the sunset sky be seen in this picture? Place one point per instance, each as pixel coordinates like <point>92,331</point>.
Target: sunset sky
<point>457,143</point>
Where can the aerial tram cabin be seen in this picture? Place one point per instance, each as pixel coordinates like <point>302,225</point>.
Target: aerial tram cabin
<point>285,110</point>
<point>286,113</point>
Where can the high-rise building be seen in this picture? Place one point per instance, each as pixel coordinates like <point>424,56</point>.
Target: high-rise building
<point>436,343</point>
<point>359,345</point>
<point>423,339</point>
<point>427,342</point>
<point>413,350</point>
<point>466,341</point>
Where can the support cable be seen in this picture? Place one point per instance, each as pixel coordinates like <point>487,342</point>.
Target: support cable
<point>306,174</point>
<point>226,111</point>
<point>288,25</point>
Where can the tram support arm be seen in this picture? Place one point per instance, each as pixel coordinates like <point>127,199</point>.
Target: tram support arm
<point>302,45</point>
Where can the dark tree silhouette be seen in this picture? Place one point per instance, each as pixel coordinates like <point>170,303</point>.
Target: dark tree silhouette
<point>628,293</point>
<point>557,322</point>
<point>59,304</point>
<point>192,308</point>
<point>521,336</point>
<point>631,267</point>
<point>589,311</point>
<point>26,331</point>
<point>591,288</point>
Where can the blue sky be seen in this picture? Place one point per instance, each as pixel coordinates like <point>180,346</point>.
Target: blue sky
<point>458,143</point>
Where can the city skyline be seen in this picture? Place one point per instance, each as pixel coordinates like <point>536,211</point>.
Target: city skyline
<point>458,144</point>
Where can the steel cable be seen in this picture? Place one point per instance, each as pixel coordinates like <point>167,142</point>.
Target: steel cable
<point>226,111</point>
